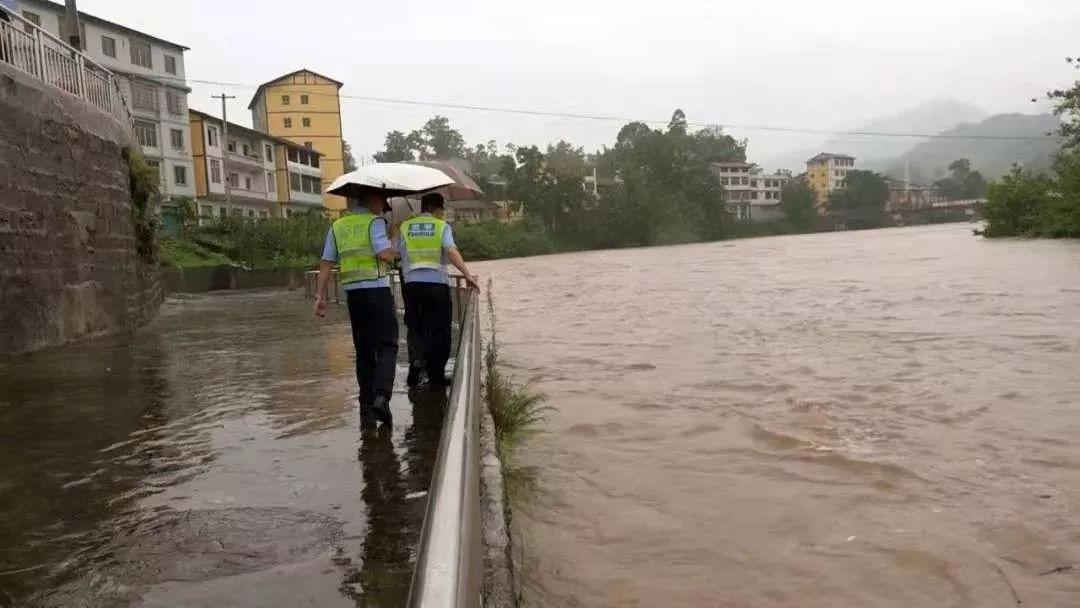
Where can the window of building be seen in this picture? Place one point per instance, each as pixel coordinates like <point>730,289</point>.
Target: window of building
<point>251,213</point>
<point>263,214</point>
<point>176,138</point>
<point>215,171</point>
<point>754,195</point>
<point>293,155</point>
<point>140,53</point>
<point>146,133</point>
<point>308,145</point>
<point>247,150</point>
<point>175,101</point>
<point>753,183</point>
<point>234,180</point>
<point>307,123</point>
<point>223,212</point>
<point>269,152</point>
<point>270,185</point>
<point>144,97</point>
<point>285,100</point>
<point>294,181</point>
<point>288,123</point>
<point>108,46</point>
<point>303,100</point>
<point>206,211</point>
<point>315,160</point>
<point>746,181</point>
<point>237,212</point>
<point>247,183</point>
<point>288,213</point>
<point>180,175</point>
<point>724,181</point>
<point>211,136</point>
<point>170,64</point>
<point>232,145</point>
<point>156,166</point>
<point>32,18</point>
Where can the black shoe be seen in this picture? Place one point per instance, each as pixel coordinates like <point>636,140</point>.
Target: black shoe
<point>415,376</point>
<point>381,410</point>
<point>368,418</point>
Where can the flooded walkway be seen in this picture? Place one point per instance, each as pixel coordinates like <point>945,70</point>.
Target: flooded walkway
<point>213,459</point>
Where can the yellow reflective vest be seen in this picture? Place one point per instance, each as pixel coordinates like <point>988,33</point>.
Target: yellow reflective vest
<point>352,235</point>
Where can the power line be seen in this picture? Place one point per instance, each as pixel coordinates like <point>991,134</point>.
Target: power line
<point>626,119</point>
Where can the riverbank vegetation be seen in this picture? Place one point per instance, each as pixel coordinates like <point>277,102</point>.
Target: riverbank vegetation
<point>265,243</point>
<point>516,412</point>
<point>1025,203</point>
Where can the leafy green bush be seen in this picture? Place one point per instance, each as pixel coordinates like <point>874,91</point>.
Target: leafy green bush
<point>144,186</point>
<point>274,242</point>
<point>490,240</point>
<point>183,253</point>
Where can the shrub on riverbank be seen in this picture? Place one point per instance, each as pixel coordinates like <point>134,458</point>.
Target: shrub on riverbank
<point>1036,205</point>
<point>515,411</point>
<point>267,243</point>
<point>492,240</point>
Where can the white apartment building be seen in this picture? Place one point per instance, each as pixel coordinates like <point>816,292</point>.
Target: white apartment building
<point>266,176</point>
<point>749,193</point>
<point>151,75</point>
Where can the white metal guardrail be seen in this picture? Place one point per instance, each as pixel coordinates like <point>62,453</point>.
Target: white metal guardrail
<point>449,565</point>
<point>450,558</point>
<point>30,49</point>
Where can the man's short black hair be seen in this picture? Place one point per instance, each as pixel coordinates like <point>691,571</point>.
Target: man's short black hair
<point>431,202</point>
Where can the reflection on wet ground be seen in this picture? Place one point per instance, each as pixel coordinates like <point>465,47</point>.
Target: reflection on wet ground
<point>212,459</point>
<point>874,419</point>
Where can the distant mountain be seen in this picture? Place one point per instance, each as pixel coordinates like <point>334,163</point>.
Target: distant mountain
<point>928,161</point>
<point>930,117</point>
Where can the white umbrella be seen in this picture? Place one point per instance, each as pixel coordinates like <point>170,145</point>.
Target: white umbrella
<point>392,179</point>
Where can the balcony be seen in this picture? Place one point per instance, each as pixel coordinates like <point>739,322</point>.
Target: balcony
<point>248,160</point>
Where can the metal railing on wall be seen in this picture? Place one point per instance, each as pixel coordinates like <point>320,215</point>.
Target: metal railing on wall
<point>449,564</point>
<point>30,49</point>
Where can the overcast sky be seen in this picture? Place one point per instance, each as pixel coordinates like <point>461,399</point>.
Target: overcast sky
<point>833,64</point>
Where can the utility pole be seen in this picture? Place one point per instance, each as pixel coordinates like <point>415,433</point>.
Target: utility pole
<point>225,148</point>
<point>71,24</point>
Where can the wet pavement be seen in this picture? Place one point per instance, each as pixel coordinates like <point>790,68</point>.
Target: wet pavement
<point>211,459</point>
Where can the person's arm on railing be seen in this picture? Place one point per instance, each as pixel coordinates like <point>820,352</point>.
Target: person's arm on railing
<point>459,262</point>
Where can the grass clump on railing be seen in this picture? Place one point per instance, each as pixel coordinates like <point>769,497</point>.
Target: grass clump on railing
<point>516,412</point>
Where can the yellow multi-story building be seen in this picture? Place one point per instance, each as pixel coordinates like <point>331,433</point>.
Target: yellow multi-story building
<point>825,173</point>
<point>305,108</point>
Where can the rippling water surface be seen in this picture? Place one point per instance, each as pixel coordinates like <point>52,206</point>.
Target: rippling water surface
<point>884,418</point>
<point>212,459</point>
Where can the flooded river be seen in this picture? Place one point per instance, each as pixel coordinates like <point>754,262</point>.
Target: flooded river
<point>885,418</point>
<point>211,460</point>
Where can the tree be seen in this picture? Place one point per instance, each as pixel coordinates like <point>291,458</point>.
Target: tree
<point>677,123</point>
<point>797,201</point>
<point>440,141</point>
<point>1068,107</point>
<point>397,147</point>
<point>350,161</point>
<point>963,183</point>
<point>1015,201</point>
<point>862,199</point>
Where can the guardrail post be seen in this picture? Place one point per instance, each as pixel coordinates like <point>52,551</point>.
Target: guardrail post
<point>80,76</point>
<point>39,52</point>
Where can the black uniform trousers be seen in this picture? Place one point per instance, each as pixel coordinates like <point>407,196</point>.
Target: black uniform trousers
<point>428,311</point>
<point>375,337</point>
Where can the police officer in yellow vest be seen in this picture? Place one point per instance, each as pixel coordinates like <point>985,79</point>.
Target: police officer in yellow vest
<point>427,244</point>
<point>359,242</point>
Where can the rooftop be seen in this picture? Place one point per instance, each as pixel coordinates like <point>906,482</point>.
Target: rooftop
<point>263,86</point>
<point>250,131</point>
<point>824,156</point>
<point>59,7</point>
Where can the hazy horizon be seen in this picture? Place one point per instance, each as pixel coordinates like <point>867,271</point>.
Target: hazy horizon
<point>776,63</point>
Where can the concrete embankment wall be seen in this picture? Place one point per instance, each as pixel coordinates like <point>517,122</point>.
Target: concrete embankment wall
<point>68,263</point>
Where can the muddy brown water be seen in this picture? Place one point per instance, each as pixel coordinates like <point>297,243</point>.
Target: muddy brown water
<point>211,459</point>
<point>883,418</point>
